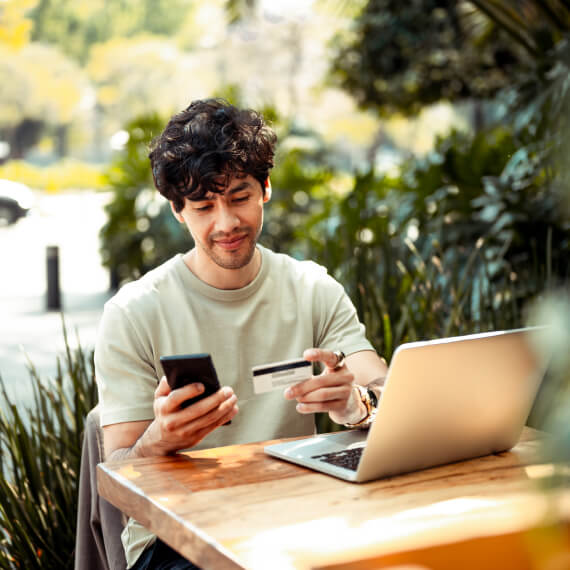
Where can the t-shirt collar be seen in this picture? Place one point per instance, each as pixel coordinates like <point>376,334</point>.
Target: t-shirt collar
<point>192,281</point>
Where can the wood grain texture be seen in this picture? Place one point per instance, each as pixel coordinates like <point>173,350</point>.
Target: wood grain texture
<point>236,507</point>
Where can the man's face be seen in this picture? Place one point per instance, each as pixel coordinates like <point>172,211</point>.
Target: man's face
<point>225,227</point>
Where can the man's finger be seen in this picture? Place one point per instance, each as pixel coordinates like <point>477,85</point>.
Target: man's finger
<point>206,405</point>
<point>163,389</point>
<point>314,407</point>
<point>215,417</point>
<point>180,395</point>
<point>327,394</point>
<point>203,413</point>
<point>341,377</point>
<point>328,357</point>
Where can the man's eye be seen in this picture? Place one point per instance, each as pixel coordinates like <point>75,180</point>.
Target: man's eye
<point>241,199</point>
<point>203,208</point>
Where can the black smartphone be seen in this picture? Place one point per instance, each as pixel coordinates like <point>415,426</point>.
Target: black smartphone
<point>185,369</point>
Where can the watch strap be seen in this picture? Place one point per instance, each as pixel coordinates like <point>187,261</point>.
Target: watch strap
<point>370,401</point>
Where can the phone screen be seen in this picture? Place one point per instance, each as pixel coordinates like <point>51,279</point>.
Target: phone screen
<point>185,369</point>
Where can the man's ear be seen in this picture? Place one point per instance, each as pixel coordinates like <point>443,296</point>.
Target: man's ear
<point>176,214</point>
<point>267,193</point>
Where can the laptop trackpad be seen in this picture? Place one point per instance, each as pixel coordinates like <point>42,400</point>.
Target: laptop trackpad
<point>326,443</point>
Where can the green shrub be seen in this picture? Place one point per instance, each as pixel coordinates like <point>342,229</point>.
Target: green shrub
<point>140,232</point>
<point>461,242</point>
<point>40,455</point>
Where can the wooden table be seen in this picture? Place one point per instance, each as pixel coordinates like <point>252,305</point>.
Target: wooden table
<point>235,507</point>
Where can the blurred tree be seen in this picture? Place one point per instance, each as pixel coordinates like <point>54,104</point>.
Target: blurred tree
<point>204,25</point>
<point>402,56</point>
<point>145,74</point>
<point>40,88</point>
<point>76,26</point>
<point>129,46</point>
<point>15,25</point>
<point>238,10</point>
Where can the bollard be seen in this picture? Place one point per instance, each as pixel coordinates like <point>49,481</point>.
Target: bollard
<point>53,297</point>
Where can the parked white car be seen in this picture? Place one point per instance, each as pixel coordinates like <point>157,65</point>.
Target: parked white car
<point>15,201</point>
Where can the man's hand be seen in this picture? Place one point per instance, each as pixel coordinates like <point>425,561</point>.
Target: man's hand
<point>332,391</point>
<point>173,428</point>
<point>177,428</point>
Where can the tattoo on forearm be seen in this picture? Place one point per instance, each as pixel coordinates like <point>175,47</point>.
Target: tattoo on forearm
<point>119,454</point>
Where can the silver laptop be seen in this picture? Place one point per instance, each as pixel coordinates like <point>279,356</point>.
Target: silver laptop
<point>443,401</point>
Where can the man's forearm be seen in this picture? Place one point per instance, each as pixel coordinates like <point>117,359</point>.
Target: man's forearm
<point>144,446</point>
<point>123,453</point>
<point>134,452</point>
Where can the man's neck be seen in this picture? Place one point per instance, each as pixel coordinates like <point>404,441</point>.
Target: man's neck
<point>220,278</point>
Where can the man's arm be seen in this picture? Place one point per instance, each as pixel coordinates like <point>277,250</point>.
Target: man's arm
<point>172,428</point>
<point>369,370</point>
<point>333,391</point>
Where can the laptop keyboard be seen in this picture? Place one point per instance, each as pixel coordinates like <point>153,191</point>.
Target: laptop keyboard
<point>347,458</point>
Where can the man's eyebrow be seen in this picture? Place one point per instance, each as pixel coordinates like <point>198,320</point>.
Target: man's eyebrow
<point>212,195</point>
<point>241,186</point>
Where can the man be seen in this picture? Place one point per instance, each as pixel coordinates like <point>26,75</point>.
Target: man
<point>232,298</point>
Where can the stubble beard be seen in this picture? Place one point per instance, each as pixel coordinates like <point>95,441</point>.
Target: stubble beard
<point>232,259</point>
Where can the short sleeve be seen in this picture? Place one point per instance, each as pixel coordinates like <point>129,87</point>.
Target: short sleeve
<point>338,326</point>
<point>124,369</point>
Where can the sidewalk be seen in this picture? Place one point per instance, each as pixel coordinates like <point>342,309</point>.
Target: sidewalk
<point>30,332</point>
<point>27,330</point>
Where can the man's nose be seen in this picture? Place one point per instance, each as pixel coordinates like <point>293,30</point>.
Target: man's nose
<point>226,220</point>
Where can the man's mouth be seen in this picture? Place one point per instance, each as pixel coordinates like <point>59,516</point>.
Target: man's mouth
<point>231,243</point>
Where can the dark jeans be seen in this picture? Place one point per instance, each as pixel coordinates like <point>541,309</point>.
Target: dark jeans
<point>159,556</point>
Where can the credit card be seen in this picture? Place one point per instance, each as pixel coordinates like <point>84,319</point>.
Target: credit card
<point>280,375</point>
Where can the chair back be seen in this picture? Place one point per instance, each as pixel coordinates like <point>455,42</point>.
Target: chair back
<point>98,543</point>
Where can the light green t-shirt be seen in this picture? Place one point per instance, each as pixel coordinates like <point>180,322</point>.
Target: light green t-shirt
<point>290,306</point>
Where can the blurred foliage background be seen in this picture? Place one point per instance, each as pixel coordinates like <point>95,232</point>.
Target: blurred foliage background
<point>423,154</point>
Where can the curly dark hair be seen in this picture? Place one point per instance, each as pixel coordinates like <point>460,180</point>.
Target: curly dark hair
<point>206,144</point>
